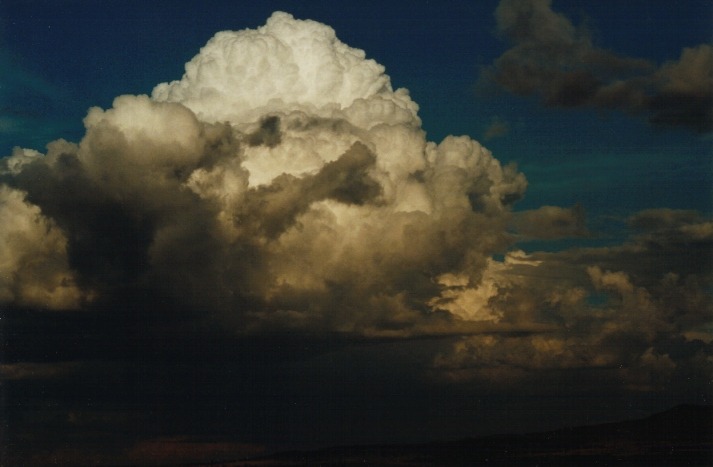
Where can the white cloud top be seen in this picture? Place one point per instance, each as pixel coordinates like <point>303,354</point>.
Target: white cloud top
<point>285,65</point>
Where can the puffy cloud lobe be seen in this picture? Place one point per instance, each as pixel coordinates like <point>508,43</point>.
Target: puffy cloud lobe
<point>34,269</point>
<point>281,182</point>
<point>471,300</point>
<point>555,60</point>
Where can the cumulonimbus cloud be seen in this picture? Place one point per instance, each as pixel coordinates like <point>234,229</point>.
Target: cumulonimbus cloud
<point>282,183</point>
<point>553,59</point>
<point>282,180</point>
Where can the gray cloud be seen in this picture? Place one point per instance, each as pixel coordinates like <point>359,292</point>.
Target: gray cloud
<point>551,222</point>
<point>553,59</point>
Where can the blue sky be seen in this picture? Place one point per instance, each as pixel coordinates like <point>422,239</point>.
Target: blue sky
<point>155,300</point>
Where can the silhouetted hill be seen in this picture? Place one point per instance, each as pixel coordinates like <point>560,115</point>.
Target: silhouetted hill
<point>680,436</point>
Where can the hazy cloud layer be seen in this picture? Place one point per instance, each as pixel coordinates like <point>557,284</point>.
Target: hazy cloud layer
<point>557,61</point>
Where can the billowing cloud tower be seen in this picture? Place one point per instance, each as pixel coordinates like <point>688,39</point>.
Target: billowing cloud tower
<point>281,182</point>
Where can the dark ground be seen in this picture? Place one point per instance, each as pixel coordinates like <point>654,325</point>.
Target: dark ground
<point>680,436</point>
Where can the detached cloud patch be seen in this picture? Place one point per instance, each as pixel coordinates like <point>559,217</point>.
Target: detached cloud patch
<point>551,222</point>
<point>496,129</point>
<point>283,184</point>
<point>553,59</point>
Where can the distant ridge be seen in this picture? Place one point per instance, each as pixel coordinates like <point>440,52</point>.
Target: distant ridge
<point>680,436</point>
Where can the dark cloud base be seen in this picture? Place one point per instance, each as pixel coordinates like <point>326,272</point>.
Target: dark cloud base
<point>279,391</point>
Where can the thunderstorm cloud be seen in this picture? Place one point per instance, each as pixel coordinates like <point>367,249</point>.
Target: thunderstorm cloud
<point>280,182</point>
<point>283,184</point>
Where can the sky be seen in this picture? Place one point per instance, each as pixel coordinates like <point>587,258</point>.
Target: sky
<point>229,228</point>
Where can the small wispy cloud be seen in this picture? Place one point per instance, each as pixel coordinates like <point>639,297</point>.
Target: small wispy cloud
<point>497,128</point>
